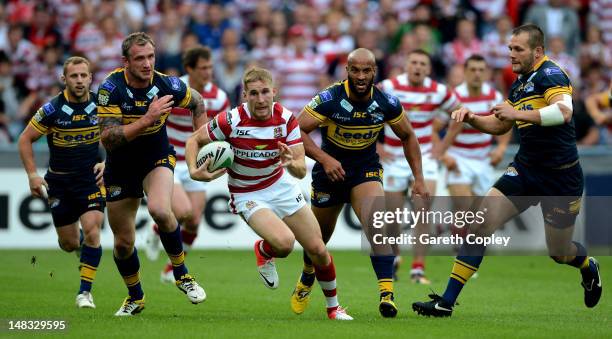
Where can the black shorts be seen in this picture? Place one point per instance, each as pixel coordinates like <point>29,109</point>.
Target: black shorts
<point>558,190</point>
<point>71,195</point>
<point>124,180</point>
<point>325,193</point>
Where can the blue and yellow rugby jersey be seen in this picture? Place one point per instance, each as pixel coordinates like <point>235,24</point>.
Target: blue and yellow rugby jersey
<point>349,129</point>
<point>72,132</point>
<point>552,146</point>
<point>116,99</point>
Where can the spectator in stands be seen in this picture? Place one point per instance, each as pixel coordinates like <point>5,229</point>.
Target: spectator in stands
<point>212,27</point>
<point>107,56</point>
<point>168,39</point>
<point>594,49</point>
<point>299,71</point>
<point>465,44</point>
<point>8,97</point>
<point>557,19</point>
<point>228,74</point>
<point>600,16</point>
<point>558,53</point>
<point>44,84</point>
<point>490,11</point>
<point>42,31</point>
<point>335,43</point>
<point>22,54</point>
<point>86,34</point>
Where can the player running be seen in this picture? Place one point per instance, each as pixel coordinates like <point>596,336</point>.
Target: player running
<point>471,159</point>
<point>545,170</point>
<point>133,105</point>
<point>351,114</point>
<point>266,140</point>
<point>189,196</point>
<point>423,99</point>
<point>74,179</point>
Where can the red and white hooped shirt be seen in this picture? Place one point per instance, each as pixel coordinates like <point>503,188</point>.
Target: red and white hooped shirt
<point>472,143</point>
<point>255,144</point>
<point>421,103</point>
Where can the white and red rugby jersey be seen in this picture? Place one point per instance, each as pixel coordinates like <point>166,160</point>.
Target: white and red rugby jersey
<point>471,142</point>
<point>255,144</point>
<point>421,104</point>
<point>179,124</point>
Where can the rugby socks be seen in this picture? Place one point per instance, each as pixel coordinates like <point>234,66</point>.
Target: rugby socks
<point>129,269</point>
<point>90,260</point>
<point>174,248</point>
<point>383,267</point>
<point>266,250</point>
<point>466,264</point>
<point>326,275</point>
<point>188,239</point>
<point>308,272</point>
<point>418,268</point>
<point>581,261</point>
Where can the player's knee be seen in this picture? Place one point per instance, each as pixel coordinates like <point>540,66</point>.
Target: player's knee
<point>162,216</point>
<point>69,245</point>
<point>317,251</point>
<point>92,238</point>
<point>283,246</point>
<point>123,248</point>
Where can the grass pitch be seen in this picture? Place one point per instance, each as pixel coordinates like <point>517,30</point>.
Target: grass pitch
<point>513,297</point>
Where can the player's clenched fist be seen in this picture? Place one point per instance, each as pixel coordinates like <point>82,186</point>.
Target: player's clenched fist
<point>333,169</point>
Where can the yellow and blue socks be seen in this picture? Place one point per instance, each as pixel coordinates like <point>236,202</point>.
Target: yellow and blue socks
<point>308,272</point>
<point>383,267</point>
<point>90,260</point>
<point>173,245</point>
<point>466,264</point>
<point>581,261</point>
<point>129,269</point>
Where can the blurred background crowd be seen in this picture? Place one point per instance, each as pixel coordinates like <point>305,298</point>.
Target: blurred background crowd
<point>305,44</point>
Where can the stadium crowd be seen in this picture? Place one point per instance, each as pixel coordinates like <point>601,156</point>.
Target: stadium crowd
<point>305,44</point>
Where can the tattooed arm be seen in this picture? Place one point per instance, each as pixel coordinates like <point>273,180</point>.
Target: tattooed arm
<point>114,134</point>
<point>198,109</point>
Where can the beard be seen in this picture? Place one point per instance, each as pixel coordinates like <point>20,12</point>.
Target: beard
<point>353,88</point>
<point>527,65</point>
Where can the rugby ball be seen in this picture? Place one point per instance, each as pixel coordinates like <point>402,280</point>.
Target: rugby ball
<point>220,152</point>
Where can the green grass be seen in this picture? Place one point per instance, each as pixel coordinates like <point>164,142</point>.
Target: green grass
<point>513,297</point>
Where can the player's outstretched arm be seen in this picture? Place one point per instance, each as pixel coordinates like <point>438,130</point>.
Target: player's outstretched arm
<point>26,139</point>
<point>412,152</point>
<point>489,124</point>
<point>332,167</point>
<point>559,112</point>
<point>292,158</point>
<point>198,109</point>
<point>114,134</point>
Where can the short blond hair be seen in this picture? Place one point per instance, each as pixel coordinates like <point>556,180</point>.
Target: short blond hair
<point>256,74</point>
<point>75,60</point>
<point>137,38</point>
